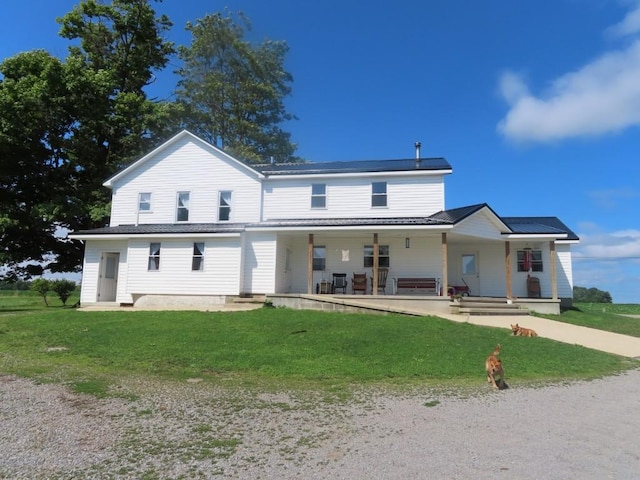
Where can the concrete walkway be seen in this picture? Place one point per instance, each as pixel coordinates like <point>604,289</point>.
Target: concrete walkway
<point>615,343</point>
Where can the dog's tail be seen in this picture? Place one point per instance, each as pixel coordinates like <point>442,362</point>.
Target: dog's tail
<point>496,350</point>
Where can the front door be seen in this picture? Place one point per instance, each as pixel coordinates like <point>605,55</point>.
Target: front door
<point>471,273</point>
<point>108,286</point>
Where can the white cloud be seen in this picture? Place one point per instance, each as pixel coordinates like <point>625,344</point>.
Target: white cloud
<point>628,26</point>
<point>618,245</point>
<point>601,97</point>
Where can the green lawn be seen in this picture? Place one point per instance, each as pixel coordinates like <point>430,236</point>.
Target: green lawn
<point>603,316</point>
<point>278,347</point>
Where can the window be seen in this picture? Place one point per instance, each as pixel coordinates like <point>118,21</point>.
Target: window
<point>379,194</point>
<point>224,206</point>
<point>383,256</point>
<point>319,258</point>
<point>182,213</point>
<point>154,256</point>
<point>469,264</point>
<point>318,195</point>
<point>198,256</point>
<point>529,260</point>
<point>144,202</point>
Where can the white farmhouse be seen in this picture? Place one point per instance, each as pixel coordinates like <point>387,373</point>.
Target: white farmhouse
<point>191,225</point>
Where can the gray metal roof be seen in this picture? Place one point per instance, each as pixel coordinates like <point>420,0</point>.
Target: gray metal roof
<point>523,225</point>
<point>358,166</point>
<point>178,228</point>
<point>543,225</point>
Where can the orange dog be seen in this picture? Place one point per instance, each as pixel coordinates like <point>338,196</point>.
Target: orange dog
<point>519,331</point>
<point>494,369</point>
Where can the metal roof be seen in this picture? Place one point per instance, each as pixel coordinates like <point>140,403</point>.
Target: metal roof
<point>357,166</point>
<point>542,225</point>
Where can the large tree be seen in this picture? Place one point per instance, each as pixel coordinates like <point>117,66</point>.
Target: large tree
<point>65,126</point>
<point>233,91</point>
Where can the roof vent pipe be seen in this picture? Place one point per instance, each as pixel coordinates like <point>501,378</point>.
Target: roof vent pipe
<point>418,145</point>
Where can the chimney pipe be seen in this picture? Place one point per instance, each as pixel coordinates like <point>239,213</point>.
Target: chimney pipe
<point>418,145</point>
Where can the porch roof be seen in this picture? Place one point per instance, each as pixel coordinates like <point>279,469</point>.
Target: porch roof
<point>539,225</point>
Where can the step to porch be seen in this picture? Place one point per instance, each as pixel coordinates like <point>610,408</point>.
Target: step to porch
<point>250,299</point>
<point>487,306</point>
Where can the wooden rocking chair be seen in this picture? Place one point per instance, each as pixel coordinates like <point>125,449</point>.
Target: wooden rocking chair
<point>359,283</point>
<point>382,280</point>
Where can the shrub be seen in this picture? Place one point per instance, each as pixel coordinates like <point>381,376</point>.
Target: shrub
<point>64,289</point>
<point>42,286</point>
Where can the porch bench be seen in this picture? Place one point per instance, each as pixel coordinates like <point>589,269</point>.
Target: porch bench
<point>429,285</point>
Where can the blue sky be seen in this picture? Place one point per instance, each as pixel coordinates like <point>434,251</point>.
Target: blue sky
<point>536,104</point>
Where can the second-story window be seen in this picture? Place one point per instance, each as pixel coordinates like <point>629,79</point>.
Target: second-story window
<point>318,195</point>
<point>144,202</point>
<point>379,194</point>
<point>224,207</point>
<point>182,211</point>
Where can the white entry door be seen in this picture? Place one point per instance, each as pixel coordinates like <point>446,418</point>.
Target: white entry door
<point>471,273</point>
<point>108,286</point>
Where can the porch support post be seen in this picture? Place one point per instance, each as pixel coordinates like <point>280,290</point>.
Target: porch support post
<point>310,264</point>
<point>554,277</point>
<point>507,266</point>
<point>376,258</point>
<point>444,288</point>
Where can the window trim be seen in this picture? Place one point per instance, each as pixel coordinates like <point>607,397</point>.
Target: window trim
<point>180,208</point>
<point>144,202</point>
<point>227,207</point>
<point>320,197</point>
<point>379,196</point>
<point>367,258</point>
<point>537,262</point>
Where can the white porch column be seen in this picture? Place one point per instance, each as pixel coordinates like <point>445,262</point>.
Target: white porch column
<point>554,276</point>
<point>507,263</point>
<point>310,264</point>
<point>444,288</point>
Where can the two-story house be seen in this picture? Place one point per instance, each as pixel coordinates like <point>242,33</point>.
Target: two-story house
<point>191,224</point>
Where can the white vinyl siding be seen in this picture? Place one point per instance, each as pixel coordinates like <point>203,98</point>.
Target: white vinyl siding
<point>176,277</point>
<point>260,263</point>
<point>351,197</point>
<point>186,166</point>
<point>564,271</point>
<point>94,249</point>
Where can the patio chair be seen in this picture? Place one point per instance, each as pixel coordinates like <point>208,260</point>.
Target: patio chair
<point>382,280</point>
<point>359,283</point>
<point>339,282</point>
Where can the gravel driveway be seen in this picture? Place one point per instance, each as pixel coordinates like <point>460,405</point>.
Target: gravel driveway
<point>582,430</point>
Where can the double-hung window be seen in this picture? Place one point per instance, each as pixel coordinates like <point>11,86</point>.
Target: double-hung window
<point>154,256</point>
<point>197,263</point>
<point>318,195</point>
<point>379,194</point>
<point>383,256</point>
<point>319,258</point>
<point>182,210</point>
<point>530,260</point>
<point>224,206</point>
<point>144,202</point>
